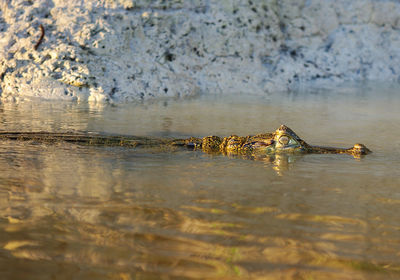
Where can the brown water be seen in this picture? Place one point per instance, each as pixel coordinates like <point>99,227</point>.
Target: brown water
<point>72,212</point>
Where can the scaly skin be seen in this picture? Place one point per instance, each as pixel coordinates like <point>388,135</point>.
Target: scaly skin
<point>283,140</point>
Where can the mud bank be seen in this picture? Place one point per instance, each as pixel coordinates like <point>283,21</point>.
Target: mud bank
<point>118,51</point>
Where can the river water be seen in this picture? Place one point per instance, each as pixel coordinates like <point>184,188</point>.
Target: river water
<point>78,212</point>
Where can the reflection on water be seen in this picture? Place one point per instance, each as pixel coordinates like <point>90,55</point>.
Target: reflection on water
<point>72,212</point>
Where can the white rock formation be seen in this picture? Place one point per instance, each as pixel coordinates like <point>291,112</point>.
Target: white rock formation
<point>127,50</point>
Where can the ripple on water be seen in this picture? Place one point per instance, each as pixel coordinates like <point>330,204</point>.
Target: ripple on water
<point>110,213</point>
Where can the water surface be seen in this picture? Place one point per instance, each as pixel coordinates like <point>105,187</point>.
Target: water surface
<point>74,212</point>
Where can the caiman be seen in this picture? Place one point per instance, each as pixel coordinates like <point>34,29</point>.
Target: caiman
<point>282,141</point>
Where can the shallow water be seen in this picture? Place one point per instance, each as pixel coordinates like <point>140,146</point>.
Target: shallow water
<point>74,212</point>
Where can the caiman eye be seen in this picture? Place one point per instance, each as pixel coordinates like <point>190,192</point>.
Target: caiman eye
<point>284,140</point>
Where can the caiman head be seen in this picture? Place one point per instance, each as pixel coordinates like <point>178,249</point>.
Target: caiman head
<point>285,140</point>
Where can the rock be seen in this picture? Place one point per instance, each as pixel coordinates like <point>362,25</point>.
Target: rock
<point>125,50</point>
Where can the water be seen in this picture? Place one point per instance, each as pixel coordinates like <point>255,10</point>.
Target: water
<point>73,212</point>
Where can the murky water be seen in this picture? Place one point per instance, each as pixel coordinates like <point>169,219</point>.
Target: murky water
<point>73,212</point>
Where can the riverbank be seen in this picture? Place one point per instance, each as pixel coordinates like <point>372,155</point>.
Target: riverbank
<point>121,51</point>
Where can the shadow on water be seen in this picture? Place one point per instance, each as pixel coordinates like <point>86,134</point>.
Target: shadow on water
<point>79,212</point>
